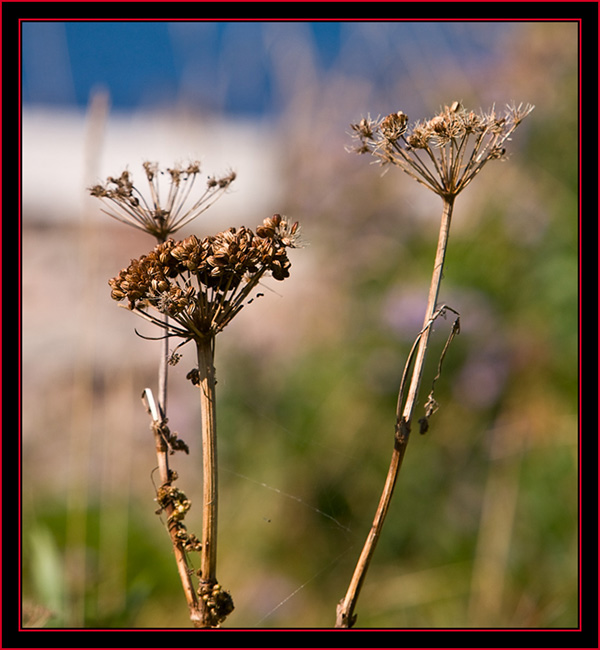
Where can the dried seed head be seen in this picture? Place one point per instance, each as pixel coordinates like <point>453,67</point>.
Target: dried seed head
<point>394,126</point>
<point>203,283</point>
<point>453,158</point>
<point>146,212</point>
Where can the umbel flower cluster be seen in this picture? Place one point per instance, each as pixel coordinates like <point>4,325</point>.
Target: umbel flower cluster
<point>157,215</point>
<point>445,152</point>
<point>201,284</point>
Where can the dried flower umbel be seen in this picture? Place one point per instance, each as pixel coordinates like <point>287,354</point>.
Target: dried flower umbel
<point>444,153</point>
<point>192,289</point>
<point>201,284</point>
<point>167,205</point>
<point>156,215</point>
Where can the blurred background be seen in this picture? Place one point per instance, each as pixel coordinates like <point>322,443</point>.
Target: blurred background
<point>483,529</point>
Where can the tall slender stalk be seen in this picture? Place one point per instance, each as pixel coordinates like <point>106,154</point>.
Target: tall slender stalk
<point>215,603</point>
<point>444,154</point>
<point>206,375</point>
<point>345,609</point>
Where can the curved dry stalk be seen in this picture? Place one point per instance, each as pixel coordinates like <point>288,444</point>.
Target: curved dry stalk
<point>432,152</point>
<point>345,609</point>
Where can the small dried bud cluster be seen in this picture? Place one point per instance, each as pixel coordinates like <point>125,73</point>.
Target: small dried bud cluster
<point>202,283</point>
<point>170,439</point>
<point>166,496</point>
<point>218,602</point>
<point>130,206</point>
<point>445,152</point>
<point>175,501</point>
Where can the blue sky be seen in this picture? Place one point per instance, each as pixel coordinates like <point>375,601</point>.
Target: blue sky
<point>228,66</point>
<point>144,62</point>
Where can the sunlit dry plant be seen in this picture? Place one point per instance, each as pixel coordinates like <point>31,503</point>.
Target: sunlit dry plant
<point>161,210</point>
<point>191,289</point>
<point>167,205</point>
<point>201,285</point>
<point>444,153</point>
<point>160,216</point>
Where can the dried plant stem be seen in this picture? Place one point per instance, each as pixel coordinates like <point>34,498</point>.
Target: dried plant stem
<point>434,289</point>
<point>345,609</point>
<point>163,371</point>
<point>210,604</point>
<point>163,365</point>
<point>206,376</point>
<point>166,478</point>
